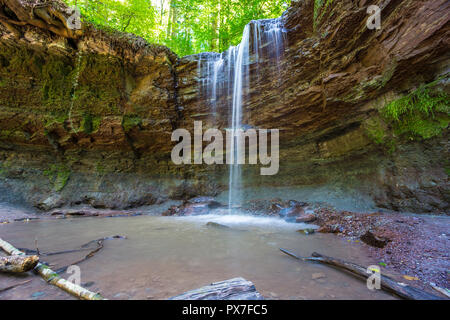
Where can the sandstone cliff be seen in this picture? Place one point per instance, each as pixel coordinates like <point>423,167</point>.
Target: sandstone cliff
<point>87,119</point>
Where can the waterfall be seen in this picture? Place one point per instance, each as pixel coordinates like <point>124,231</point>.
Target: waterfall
<point>226,80</point>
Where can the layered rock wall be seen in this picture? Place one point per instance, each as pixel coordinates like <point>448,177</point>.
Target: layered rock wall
<point>89,120</point>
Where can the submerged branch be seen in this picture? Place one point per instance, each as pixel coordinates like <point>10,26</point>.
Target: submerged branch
<point>387,284</point>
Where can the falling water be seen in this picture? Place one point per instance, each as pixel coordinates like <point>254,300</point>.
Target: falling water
<point>226,80</point>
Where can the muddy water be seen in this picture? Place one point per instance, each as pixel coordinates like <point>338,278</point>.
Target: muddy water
<point>165,256</point>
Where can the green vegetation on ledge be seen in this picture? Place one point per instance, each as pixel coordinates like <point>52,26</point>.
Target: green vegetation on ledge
<point>131,121</point>
<point>422,114</point>
<point>419,115</point>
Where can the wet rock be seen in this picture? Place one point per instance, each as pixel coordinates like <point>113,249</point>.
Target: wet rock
<point>306,218</point>
<point>52,202</point>
<point>294,210</point>
<point>217,225</point>
<point>201,199</point>
<point>373,240</point>
<point>334,228</point>
<point>193,208</point>
<point>90,212</point>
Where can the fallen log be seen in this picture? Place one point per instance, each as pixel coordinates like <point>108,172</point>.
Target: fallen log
<point>233,289</point>
<point>18,264</point>
<point>53,278</point>
<point>389,285</point>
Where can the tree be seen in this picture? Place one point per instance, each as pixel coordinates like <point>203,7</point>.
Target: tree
<point>186,26</point>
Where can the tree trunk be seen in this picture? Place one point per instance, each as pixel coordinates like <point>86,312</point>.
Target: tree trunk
<point>18,264</point>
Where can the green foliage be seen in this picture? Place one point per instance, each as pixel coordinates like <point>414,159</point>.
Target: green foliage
<point>131,121</point>
<point>186,26</point>
<point>90,124</point>
<point>420,114</point>
<point>57,75</point>
<point>58,175</point>
<point>320,6</point>
<point>100,85</point>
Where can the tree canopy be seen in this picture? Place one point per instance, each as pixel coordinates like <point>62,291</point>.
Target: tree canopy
<point>186,26</point>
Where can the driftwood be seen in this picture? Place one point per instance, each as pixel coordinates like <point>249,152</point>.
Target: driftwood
<point>14,286</point>
<point>387,284</point>
<point>53,15</point>
<point>53,278</point>
<point>84,247</point>
<point>233,289</point>
<point>18,264</point>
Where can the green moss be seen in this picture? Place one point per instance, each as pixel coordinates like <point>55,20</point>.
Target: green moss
<point>100,85</point>
<point>21,60</point>
<point>57,77</point>
<point>55,119</point>
<point>320,6</point>
<point>375,131</point>
<point>90,124</point>
<point>58,176</point>
<point>131,121</point>
<point>422,114</point>
<point>48,83</point>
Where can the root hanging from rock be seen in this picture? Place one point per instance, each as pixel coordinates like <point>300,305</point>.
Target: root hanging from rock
<point>54,16</point>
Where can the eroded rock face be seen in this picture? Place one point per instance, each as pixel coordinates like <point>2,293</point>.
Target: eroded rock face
<point>103,138</point>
